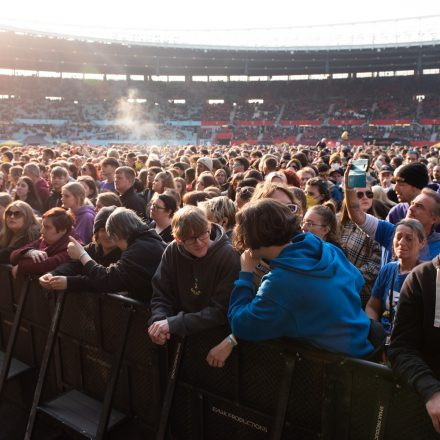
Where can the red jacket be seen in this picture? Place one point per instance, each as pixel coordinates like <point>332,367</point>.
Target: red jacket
<point>57,254</point>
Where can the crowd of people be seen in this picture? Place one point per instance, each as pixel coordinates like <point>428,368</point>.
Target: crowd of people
<point>273,240</point>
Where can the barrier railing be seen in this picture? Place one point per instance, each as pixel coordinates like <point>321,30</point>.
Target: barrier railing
<point>268,390</point>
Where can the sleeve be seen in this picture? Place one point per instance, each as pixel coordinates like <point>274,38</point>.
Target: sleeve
<point>257,317</point>
<point>215,313</point>
<point>384,233</point>
<point>406,341</point>
<point>27,266</point>
<point>134,269</point>
<point>164,299</point>
<point>370,225</point>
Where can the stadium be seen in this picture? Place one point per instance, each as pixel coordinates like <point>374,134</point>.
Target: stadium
<point>105,128</point>
<point>57,88</point>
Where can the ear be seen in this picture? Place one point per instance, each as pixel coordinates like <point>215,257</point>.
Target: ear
<point>178,241</point>
<point>223,222</point>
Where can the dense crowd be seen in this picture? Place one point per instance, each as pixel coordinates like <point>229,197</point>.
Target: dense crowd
<point>275,240</point>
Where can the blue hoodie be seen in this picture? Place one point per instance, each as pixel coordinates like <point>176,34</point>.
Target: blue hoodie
<point>311,293</point>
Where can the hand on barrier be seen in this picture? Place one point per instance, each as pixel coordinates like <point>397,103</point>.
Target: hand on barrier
<point>433,408</point>
<point>159,332</point>
<point>74,249</point>
<point>44,281</point>
<point>217,355</point>
<point>248,261</point>
<point>58,283</point>
<point>36,256</point>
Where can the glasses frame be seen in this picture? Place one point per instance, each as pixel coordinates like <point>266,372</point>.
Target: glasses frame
<point>14,214</point>
<point>367,194</point>
<point>309,224</point>
<point>192,240</point>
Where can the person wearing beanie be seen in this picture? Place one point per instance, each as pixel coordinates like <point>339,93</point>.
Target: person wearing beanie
<point>203,164</point>
<point>70,275</point>
<point>409,181</point>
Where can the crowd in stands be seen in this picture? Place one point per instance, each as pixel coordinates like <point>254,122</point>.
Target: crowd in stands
<point>69,110</point>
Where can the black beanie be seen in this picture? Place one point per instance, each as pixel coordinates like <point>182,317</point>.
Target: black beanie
<point>102,217</point>
<point>414,174</point>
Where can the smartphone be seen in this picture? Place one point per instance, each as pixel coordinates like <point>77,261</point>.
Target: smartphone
<point>357,176</point>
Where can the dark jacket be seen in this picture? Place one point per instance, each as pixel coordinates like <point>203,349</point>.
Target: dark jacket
<point>415,342</point>
<point>132,200</point>
<point>73,270</point>
<point>193,293</point>
<point>57,254</point>
<point>133,271</point>
<point>53,201</point>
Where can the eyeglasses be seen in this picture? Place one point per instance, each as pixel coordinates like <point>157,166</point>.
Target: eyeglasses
<point>310,224</point>
<point>15,214</point>
<point>193,240</point>
<point>368,194</point>
<point>154,206</point>
<point>292,207</point>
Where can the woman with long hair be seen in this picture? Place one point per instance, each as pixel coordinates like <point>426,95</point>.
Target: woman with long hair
<point>321,221</point>
<point>74,200</point>
<point>163,181</point>
<point>26,192</point>
<point>363,251</point>
<point>20,226</point>
<point>90,187</point>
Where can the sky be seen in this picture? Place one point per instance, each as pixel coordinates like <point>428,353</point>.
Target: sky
<point>171,20</point>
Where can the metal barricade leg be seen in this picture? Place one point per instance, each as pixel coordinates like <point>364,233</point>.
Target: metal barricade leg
<point>14,333</point>
<point>169,392</point>
<point>50,342</point>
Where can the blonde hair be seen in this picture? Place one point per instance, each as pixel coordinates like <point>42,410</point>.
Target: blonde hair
<point>77,190</point>
<point>31,226</point>
<point>218,208</point>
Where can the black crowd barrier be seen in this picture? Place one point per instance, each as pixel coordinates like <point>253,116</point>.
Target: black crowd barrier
<point>271,390</point>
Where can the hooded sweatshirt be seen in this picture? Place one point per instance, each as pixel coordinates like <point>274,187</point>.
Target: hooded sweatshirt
<point>133,271</point>
<point>311,293</point>
<point>84,218</point>
<point>193,293</point>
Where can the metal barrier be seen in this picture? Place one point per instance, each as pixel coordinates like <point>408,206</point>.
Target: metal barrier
<point>271,390</point>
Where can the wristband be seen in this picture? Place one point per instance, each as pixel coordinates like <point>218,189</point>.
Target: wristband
<point>232,340</point>
<point>82,255</point>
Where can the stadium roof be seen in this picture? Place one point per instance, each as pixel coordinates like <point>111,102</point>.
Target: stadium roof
<point>37,51</point>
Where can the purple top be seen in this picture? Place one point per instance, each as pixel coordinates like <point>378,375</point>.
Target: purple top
<point>84,219</point>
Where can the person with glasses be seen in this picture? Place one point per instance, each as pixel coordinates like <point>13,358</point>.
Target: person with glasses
<point>141,251</point>
<point>321,221</point>
<point>193,283</point>
<point>363,251</point>
<point>20,227</point>
<point>293,299</point>
<point>162,208</point>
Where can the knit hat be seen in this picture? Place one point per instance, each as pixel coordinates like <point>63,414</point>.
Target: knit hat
<point>101,218</point>
<point>207,161</point>
<point>414,174</point>
<point>385,169</point>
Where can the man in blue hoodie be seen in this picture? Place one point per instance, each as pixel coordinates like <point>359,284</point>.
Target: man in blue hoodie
<point>311,292</point>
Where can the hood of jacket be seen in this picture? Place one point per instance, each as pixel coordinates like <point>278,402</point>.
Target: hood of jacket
<point>85,210</point>
<point>145,234</point>
<point>309,254</point>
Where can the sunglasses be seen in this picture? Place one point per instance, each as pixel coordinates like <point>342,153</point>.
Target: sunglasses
<point>15,214</point>
<point>368,194</point>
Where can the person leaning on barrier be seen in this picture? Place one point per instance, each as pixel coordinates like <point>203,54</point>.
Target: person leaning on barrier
<point>425,208</point>
<point>311,291</point>
<point>104,251</point>
<point>50,250</point>
<point>414,351</point>
<point>141,253</point>
<point>193,283</point>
